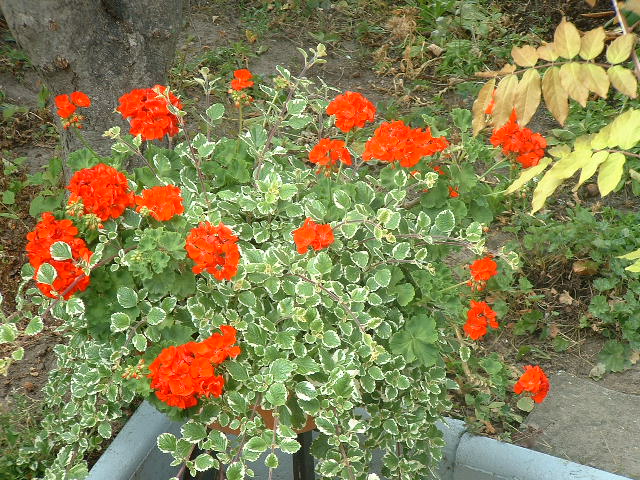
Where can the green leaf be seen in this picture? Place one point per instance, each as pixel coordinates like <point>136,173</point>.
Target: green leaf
<point>525,404</point>
<point>217,441</point>
<point>60,251</point>
<point>383,277</point>
<point>415,341</point>
<point>237,371</point>
<point>46,274</point>
<point>35,326</point>
<point>323,263</point>
<point>289,445</point>
<point>215,112</point>
<point>120,322</point>
<point>306,391</point>
<point>139,342</point>
<point>18,354</point>
<point>401,251</point>
<point>361,259</point>
<point>404,293</point>
<point>256,444</point>
<point>155,315</point>
<point>236,471</point>
<point>271,461</point>
<point>203,462</point>
<point>444,223</point>
<point>8,333</point>
<point>127,297</point>
<point>341,200</point>
<point>8,197</point>
<point>248,299</point>
<point>167,442</point>
<point>281,369</point>
<point>614,356</point>
<point>104,430</point>
<point>193,431</point>
<point>330,339</point>
<point>277,394</point>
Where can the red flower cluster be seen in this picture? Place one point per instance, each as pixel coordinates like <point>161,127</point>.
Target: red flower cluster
<point>481,271</point>
<point>103,191</point>
<point>162,202</point>
<point>479,316</point>
<point>314,235</point>
<point>534,381</point>
<point>453,193</point>
<point>351,109</point>
<point>329,152</point>
<point>181,374</point>
<point>242,79</point>
<point>214,249</point>
<point>148,113</point>
<point>48,231</point>
<point>66,107</point>
<point>395,141</point>
<point>528,146</point>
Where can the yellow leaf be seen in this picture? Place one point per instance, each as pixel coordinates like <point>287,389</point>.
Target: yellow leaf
<point>590,167</point>
<point>620,49</point>
<point>554,177</point>
<point>610,173</point>
<point>547,52</point>
<point>595,79</point>
<point>592,3</point>
<point>559,151</point>
<point>634,267</point>
<point>631,255</point>
<point>632,6</point>
<point>480,105</point>
<point>528,96</point>
<point>505,100</point>
<point>592,43</point>
<point>555,97</point>
<point>566,40</point>
<point>527,174</point>
<point>623,80</point>
<point>526,56</point>
<point>625,130</point>
<point>573,83</point>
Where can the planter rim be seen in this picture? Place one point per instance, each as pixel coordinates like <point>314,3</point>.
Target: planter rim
<point>465,456</point>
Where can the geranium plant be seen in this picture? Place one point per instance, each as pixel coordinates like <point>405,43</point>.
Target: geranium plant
<point>291,270</point>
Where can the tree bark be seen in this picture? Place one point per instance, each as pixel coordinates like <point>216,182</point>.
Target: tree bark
<point>103,48</point>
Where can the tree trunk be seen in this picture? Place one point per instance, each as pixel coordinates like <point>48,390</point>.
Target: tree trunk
<point>103,48</point>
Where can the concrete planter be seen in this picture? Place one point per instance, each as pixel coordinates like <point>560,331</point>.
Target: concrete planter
<point>133,456</point>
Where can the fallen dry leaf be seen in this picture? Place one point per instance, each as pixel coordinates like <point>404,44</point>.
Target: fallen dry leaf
<point>565,299</point>
<point>585,267</point>
<point>553,330</point>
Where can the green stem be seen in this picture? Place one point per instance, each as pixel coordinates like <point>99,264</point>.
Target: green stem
<point>84,142</point>
<point>493,167</point>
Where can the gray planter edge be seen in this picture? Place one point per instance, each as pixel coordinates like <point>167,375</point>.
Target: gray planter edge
<point>466,456</point>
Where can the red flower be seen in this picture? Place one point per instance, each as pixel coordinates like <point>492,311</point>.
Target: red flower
<point>453,193</point>
<point>242,79</point>
<point>528,146</point>
<point>328,153</point>
<point>162,202</point>
<point>492,103</point>
<point>534,381</point>
<point>483,269</point>
<point>66,107</point>
<point>213,249</point>
<point>395,141</point>
<point>478,317</point>
<point>103,191</point>
<point>47,232</point>
<point>351,110</point>
<point>311,234</point>
<point>148,114</point>
<point>181,374</point>
<point>80,99</point>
